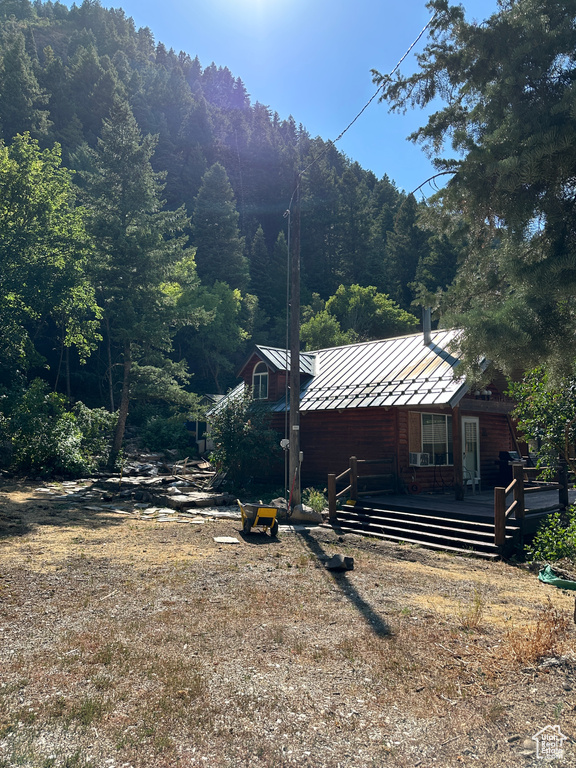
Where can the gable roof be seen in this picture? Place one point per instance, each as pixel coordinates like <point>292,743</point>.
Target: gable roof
<point>279,359</point>
<point>402,371</point>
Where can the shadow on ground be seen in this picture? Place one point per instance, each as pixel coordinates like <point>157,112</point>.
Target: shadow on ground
<point>374,620</point>
<point>19,517</point>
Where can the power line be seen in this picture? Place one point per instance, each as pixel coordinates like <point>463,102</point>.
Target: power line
<point>331,142</point>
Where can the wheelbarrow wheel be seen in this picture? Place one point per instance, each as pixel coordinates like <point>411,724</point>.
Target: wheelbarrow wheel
<point>274,528</point>
<point>247,525</point>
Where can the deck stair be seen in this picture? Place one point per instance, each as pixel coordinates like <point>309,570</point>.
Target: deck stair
<point>463,535</point>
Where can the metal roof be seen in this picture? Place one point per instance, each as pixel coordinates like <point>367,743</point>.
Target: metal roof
<point>390,372</point>
<point>279,359</point>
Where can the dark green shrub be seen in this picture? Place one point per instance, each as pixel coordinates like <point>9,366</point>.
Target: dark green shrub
<point>167,433</point>
<point>555,538</point>
<point>245,446</point>
<point>44,436</point>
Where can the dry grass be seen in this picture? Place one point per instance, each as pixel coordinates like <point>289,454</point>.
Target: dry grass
<point>543,638</point>
<point>149,645</point>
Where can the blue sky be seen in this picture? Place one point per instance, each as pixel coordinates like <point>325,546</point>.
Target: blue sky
<point>310,59</point>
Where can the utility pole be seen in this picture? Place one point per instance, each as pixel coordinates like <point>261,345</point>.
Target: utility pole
<point>294,436</point>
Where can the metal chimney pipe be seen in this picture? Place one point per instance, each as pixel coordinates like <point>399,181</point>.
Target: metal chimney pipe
<point>427,325</point>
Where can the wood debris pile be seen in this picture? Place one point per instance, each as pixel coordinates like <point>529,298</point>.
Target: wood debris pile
<point>150,489</point>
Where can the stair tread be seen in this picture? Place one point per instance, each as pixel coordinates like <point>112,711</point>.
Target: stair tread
<point>429,524</point>
<point>433,545</point>
<point>424,533</point>
<point>420,515</point>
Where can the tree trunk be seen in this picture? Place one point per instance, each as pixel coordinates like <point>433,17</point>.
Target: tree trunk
<point>123,410</point>
<point>110,378</point>
<point>68,386</point>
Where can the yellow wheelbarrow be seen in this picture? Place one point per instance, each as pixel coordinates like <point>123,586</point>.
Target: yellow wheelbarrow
<point>258,514</point>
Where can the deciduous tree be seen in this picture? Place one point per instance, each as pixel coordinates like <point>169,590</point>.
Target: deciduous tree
<point>44,250</point>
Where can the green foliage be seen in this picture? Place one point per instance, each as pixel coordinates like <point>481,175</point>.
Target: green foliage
<point>555,538</point>
<point>546,414</point>
<point>191,137</point>
<point>224,329</point>
<point>322,330</point>
<point>407,248</point>
<point>44,251</point>
<point>216,235</point>
<point>168,433</point>
<point>142,268</point>
<point>508,88</point>
<point>245,446</point>
<point>22,99</point>
<point>369,314</point>
<point>314,499</point>
<point>354,314</point>
<point>43,436</point>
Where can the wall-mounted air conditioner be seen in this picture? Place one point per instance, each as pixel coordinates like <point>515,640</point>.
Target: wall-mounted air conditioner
<point>419,459</point>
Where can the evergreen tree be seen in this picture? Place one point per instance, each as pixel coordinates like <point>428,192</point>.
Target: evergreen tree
<point>20,9</point>
<point>140,251</point>
<point>509,86</point>
<point>320,210</point>
<point>22,102</point>
<point>353,226</point>
<point>219,246</point>
<point>260,268</point>
<point>406,247</point>
<point>384,203</point>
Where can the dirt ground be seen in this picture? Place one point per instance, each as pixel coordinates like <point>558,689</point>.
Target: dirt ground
<point>129,642</point>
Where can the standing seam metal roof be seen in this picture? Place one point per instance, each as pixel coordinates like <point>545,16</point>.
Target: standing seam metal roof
<point>390,372</point>
<point>279,359</point>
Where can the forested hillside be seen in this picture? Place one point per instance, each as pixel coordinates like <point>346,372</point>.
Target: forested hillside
<point>171,159</point>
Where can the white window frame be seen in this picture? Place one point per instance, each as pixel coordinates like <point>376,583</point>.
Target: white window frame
<point>436,434</point>
<point>260,381</point>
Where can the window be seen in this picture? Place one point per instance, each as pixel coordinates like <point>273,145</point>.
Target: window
<point>437,438</point>
<point>260,382</point>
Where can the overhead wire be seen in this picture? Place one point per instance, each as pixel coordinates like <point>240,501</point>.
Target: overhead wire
<point>287,214</point>
<point>332,142</point>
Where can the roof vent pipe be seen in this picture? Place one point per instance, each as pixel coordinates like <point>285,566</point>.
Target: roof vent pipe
<point>427,325</point>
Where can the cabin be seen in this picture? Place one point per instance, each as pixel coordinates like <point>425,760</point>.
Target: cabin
<point>395,400</point>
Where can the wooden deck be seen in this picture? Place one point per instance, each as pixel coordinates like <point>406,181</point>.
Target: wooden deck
<point>478,505</point>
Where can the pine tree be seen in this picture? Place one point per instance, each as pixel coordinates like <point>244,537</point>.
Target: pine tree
<point>140,250</point>
<point>22,102</point>
<point>406,246</point>
<point>219,246</point>
<point>508,85</point>
<point>260,268</point>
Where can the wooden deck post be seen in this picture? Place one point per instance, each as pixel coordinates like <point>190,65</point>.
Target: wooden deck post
<point>332,498</point>
<point>563,497</point>
<point>457,450</point>
<point>353,478</point>
<point>518,475</point>
<point>499,516</point>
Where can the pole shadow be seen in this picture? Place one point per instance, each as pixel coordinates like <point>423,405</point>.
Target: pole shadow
<point>374,620</point>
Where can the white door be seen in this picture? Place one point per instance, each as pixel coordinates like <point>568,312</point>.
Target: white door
<point>471,450</point>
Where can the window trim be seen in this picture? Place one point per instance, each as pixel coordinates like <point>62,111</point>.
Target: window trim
<point>259,377</point>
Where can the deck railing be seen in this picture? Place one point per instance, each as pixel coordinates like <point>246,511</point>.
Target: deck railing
<point>351,475</point>
<point>519,489</point>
